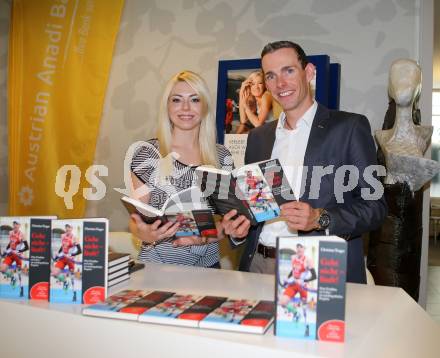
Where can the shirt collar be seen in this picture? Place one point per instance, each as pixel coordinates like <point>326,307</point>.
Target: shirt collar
<point>306,119</point>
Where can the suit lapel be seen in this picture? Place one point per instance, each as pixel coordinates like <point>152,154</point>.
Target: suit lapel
<point>317,135</point>
<point>269,141</point>
<point>314,148</point>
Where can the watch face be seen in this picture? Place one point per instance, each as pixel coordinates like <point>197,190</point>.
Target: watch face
<point>324,220</point>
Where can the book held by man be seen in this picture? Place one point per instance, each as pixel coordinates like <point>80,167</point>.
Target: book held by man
<point>255,190</point>
<point>186,207</point>
<point>310,289</point>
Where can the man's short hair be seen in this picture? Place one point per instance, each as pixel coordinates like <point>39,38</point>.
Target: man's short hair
<point>298,245</point>
<point>68,225</point>
<point>277,45</point>
<point>15,223</point>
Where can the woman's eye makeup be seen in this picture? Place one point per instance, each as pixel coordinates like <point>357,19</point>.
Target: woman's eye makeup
<point>178,99</point>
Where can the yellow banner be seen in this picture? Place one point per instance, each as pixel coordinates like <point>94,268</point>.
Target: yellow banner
<point>60,53</point>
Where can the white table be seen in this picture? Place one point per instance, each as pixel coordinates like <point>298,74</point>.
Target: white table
<point>381,322</point>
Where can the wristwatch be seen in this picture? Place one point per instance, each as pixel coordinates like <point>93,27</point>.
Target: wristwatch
<point>323,220</point>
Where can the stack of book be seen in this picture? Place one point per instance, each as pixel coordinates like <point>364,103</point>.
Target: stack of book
<point>134,266</point>
<point>188,310</point>
<point>118,268</point>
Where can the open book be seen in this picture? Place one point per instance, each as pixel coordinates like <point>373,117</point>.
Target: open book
<point>255,190</point>
<point>186,207</point>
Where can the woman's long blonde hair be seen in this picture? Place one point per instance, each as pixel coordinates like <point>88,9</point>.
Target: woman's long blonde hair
<point>207,132</point>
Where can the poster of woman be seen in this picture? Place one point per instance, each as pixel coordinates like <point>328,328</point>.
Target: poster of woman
<point>244,103</point>
<point>248,103</point>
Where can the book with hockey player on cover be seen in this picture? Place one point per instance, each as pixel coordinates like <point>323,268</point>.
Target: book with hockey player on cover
<point>248,316</point>
<point>25,257</point>
<point>79,262</point>
<point>113,306</point>
<point>167,312</point>
<point>180,309</point>
<point>310,290</point>
<point>127,304</point>
<point>255,190</point>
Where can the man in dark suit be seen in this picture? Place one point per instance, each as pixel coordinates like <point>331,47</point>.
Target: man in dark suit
<point>340,191</point>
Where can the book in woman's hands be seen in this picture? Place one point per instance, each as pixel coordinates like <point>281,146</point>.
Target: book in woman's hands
<point>186,207</point>
<point>255,190</point>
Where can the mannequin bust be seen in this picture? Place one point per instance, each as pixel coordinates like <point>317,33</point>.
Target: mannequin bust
<point>405,143</point>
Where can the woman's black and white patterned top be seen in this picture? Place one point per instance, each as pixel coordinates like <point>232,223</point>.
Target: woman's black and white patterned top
<point>145,165</point>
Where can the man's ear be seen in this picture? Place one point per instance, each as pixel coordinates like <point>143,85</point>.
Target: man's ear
<point>310,71</point>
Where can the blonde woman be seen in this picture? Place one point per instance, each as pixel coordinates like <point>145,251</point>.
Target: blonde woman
<point>186,138</point>
<point>255,103</point>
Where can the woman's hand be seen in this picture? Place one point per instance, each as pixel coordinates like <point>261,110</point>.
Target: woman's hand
<point>244,97</point>
<point>245,92</point>
<point>200,240</point>
<point>264,108</point>
<point>245,87</point>
<point>151,233</point>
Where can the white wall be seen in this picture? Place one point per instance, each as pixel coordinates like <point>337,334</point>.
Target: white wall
<point>158,39</point>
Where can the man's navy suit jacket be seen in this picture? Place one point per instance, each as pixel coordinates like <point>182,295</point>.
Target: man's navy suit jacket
<point>336,138</point>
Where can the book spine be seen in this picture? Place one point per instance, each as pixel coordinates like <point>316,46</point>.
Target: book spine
<point>330,321</point>
<point>277,283</point>
<point>94,288</point>
<point>39,259</point>
<point>118,273</point>
<point>118,267</point>
<point>115,281</point>
<point>119,261</point>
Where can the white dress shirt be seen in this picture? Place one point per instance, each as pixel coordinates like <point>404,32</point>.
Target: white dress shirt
<point>290,149</point>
